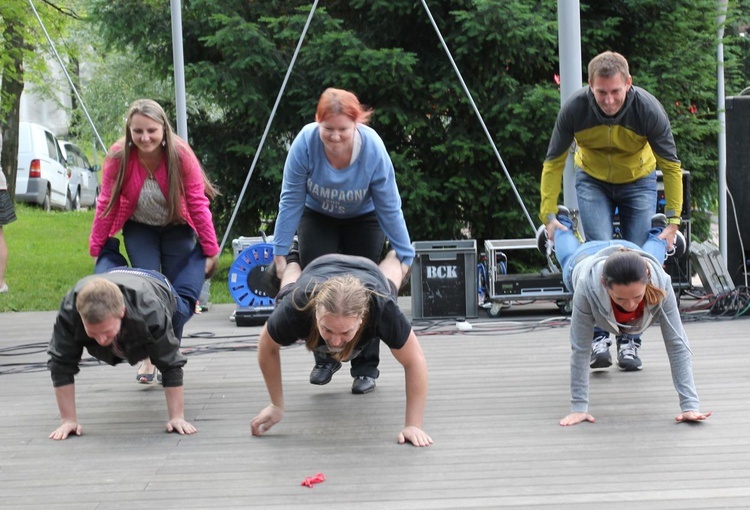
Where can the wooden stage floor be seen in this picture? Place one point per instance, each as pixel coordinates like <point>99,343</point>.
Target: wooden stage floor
<point>496,395</point>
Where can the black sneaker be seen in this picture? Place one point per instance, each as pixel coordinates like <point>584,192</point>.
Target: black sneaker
<point>293,255</point>
<point>363,384</point>
<point>600,356</point>
<point>658,220</point>
<point>322,373</point>
<point>627,356</point>
<point>270,281</point>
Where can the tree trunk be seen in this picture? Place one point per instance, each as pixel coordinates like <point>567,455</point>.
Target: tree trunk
<point>12,87</point>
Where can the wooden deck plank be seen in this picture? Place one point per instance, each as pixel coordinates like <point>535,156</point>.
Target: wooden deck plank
<point>496,395</point>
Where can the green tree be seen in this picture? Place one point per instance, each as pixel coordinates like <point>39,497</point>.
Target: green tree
<point>24,59</point>
<point>16,43</point>
<point>386,51</point>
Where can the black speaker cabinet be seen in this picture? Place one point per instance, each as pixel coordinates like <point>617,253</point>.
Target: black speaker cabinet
<point>680,269</point>
<point>738,185</point>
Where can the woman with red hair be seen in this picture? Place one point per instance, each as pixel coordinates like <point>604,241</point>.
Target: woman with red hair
<point>339,195</point>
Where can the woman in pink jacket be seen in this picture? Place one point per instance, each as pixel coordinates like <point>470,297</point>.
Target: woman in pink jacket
<point>155,191</point>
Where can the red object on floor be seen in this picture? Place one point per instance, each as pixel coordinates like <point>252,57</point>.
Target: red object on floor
<point>310,480</point>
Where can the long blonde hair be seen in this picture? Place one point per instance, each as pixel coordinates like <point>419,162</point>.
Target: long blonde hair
<point>344,296</point>
<point>172,145</point>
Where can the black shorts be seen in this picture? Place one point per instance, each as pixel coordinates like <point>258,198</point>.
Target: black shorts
<point>7,212</point>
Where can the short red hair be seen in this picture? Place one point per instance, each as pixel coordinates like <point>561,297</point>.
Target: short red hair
<point>341,102</point>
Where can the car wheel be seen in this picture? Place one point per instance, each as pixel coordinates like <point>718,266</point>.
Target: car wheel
<point>47,202</point>
<point>68,202</point>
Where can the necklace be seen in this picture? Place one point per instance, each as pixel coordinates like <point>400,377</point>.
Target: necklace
<point>150,172</point>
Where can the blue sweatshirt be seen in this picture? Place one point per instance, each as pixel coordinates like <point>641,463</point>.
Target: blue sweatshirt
<point>366,185</point>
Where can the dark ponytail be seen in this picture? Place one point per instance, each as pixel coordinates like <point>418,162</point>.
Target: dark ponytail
<point>624,267</point>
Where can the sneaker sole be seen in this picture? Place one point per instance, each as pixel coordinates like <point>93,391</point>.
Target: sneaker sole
<point>629,368</point>
<point>363,392</point>
<point>601,364</point>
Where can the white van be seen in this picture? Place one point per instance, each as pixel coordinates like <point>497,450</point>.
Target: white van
<point>42,176</point>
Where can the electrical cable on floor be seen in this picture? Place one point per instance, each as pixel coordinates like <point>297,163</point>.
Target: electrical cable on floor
<point>707,307</point>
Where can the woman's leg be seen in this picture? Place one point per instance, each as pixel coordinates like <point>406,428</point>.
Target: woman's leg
<point>655,246</point>
<point>3,259</point>
<point>318,235</point>
<point>187,284</point>
<point>363,236</point>
<point>176,243</point>
<point>142,245</point>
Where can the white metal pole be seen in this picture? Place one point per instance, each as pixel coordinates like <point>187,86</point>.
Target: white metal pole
<point>571,79</point>
<point>722,141</point>
<point>179,68</point>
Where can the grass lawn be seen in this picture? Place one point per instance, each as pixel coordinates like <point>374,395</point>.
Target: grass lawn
<point>49,252</point>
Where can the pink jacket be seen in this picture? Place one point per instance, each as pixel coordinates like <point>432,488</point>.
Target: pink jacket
<point>195,205</point>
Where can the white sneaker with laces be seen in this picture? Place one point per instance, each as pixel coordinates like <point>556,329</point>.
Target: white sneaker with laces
<point>600,356</point>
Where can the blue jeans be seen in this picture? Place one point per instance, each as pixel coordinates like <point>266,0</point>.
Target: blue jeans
<point>635,203</point>
<point>569,251</point>
<point>186,287</point>
<point>160,249</point>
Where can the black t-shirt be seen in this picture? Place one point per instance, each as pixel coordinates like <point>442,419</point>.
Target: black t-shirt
<point>287,324</point>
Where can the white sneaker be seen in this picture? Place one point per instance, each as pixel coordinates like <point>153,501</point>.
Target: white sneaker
<point>4,288</point>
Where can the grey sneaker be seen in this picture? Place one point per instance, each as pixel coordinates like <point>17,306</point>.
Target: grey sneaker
<point>658,220</point>
<point>627,356</point>
<point>600,356</point>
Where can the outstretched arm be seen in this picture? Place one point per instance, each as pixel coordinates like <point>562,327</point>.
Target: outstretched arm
<point>415,371</point>
<point>66,403</point>
<point>175,407</point>
<point>270,365</point>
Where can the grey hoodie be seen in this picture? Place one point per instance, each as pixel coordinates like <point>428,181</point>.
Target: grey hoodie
<point>592,306</point>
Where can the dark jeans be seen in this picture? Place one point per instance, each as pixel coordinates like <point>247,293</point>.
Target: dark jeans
<point>318,235</point>
<point>160,249</point>
<point>186,287</point>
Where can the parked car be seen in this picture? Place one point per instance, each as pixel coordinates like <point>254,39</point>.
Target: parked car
<point>42,176</point>
<point>83,185</point>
